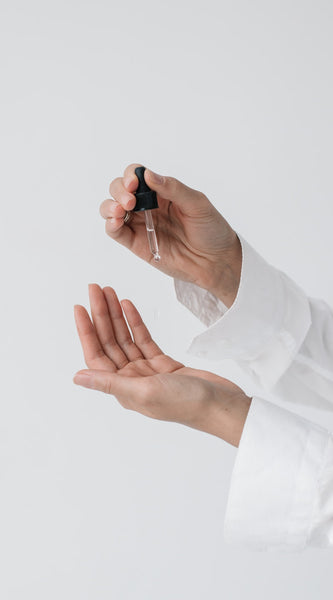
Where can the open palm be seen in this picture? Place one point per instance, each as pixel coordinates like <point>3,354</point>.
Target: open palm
<point>109,346</point>
<point>124,361</point>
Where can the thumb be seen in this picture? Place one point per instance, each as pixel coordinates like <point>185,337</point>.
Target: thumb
<point>109,383</point>
<point>189,200</point>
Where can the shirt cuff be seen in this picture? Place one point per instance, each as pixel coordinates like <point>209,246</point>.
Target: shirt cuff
<point>321,533</point>
<point>265,326</point>
<point>274,486</point>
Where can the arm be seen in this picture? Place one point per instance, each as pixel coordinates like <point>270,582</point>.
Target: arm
<point>276,334</point>
<point>281,491</point>
<point>281,339</point>
<point>255,314</point>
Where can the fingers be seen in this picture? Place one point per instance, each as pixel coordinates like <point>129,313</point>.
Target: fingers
<point>123,199</point>
<point>141,335</point>
<point>122,188</point>
<point>112,209</point>
<point>103,325</point>
<point>120,193</point>
<point>117,206</point>
<point>130,179</point>
<point>114,213</point>
<point>121,331</point>
<point>119,231</point>
<point>93,352</point>
<point>130,391</point>
<point>109,383</point>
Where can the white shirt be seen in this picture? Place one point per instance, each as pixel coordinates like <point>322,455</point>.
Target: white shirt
<point>281,493</point>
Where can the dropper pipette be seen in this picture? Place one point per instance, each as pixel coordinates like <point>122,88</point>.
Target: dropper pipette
<point>151,234</point>
<point>146,200</point>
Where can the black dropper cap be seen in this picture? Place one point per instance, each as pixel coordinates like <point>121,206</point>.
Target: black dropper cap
<point>146,198</point>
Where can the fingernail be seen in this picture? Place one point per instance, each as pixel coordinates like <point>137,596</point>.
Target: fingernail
<point>84,379</point>
<point>155,177</point>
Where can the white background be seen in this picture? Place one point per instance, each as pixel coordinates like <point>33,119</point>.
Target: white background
<point>233,98</point>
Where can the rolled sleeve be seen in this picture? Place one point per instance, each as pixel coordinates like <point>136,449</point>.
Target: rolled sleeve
<point>263,329</point>
<point>281,488</point>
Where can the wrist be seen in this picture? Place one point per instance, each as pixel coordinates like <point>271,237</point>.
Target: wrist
<point>226,277</point>
<point>223,408</point>
<point>221,275</point>
<point>228,415</point>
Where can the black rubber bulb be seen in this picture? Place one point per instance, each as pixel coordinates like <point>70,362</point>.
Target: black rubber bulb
<point>146,198</point>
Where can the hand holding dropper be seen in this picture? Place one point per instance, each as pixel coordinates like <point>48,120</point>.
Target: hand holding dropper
<point>197,244</point>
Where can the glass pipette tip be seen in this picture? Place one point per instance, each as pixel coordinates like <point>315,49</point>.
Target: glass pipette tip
<point>151,234</point>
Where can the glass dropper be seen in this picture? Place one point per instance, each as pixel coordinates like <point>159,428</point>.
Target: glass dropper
<point>146,200</point>
<point>151,234</point>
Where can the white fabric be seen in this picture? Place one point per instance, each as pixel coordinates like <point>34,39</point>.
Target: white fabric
<point>281,492</point>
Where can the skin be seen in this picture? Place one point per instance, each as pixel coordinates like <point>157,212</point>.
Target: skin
<point>124,361</point>
<point>196,242</point>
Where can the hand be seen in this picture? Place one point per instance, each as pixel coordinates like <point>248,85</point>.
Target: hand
<point>196,243</point>
<point>135,370</point>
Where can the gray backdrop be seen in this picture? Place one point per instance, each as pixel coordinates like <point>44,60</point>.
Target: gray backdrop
<point>233,98</point>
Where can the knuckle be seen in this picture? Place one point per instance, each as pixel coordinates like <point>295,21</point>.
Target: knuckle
<point>118,209</point>
<point>106,208</point>
<point>99,353</point>
<point>125,198</point>
<point>93,362</point>
<point>178,186</point>
<point>127,344</point>
<point>201,196</point>
<point>170,182</point>
<point>146,339</point>
<point>123,362</point>
<point>108,387</point>
<point>100,313</point>
<point>129,170</point>
<point>173,185</point>
<point>110,343</point>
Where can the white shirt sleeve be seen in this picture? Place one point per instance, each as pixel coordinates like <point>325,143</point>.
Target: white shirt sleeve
<point>279,337</point>
<point>281,492</point>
